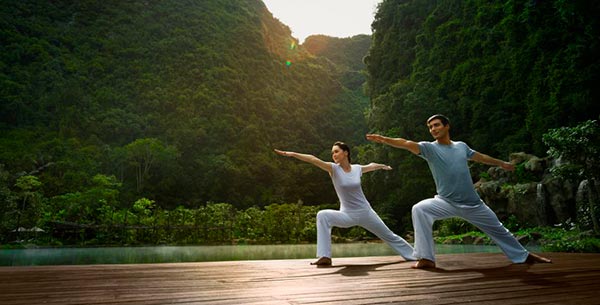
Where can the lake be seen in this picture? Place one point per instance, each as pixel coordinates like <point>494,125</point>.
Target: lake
<point>174,254</point>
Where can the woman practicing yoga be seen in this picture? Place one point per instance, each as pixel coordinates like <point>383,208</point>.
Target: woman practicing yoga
<point>355,209</point>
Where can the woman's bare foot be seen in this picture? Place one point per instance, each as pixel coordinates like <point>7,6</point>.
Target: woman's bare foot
<point>322,261</point>
<point>423,264</point>
<point>536,259</point>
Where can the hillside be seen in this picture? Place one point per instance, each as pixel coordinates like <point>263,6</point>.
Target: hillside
<point>181,101</point>
<point>504,72</point>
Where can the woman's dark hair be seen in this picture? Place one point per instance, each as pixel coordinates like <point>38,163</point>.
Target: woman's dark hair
<point>344,147</point>
<point>445,121</point>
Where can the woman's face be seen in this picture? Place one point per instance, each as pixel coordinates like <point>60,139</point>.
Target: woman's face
<point>338,155</point>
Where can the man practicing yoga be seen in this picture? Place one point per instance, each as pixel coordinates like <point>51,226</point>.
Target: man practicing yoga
<point>456,195</point>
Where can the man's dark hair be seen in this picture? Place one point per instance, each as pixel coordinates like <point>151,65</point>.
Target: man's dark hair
<point>344,147</point>
<point>445,121</point>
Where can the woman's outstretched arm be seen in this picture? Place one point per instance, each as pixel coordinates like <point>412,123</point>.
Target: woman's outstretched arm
<point>326,166</point>
<point>375,166</point>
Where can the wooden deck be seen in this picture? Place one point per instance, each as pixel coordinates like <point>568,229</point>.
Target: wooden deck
<point>476,278</point>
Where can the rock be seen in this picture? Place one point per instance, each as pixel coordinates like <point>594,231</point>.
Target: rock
<point>536,165</point>
<point>479,240</point>
<point>520,157</point>
<point>536,235</point>
<point>522,202</point>
<point>498,174</point>
<point>494,196</point>
<point>467,240</point>
<point>544,201</point>
<point>584,200</point>
<point>523,239</point>
<point>451,241</point>
<point>560,197</point>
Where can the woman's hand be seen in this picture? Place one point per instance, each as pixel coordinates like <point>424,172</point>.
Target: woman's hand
<point>284,153</point>
<point>326,166</point>
<point>375,166</point>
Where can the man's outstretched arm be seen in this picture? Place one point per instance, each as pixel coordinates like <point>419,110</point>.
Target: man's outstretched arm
<point>485,159</point>
<point>411,146</point>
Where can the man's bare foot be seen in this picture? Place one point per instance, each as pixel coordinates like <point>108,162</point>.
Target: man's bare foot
<point>423,264</point>
<point>322,261</point>
<point>536,259</point>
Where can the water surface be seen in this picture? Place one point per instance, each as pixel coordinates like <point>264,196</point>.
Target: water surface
<point>173,254</point>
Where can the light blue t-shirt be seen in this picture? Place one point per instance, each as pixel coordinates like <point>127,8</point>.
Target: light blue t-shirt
<point>348,187</point>
<point>448,165</point>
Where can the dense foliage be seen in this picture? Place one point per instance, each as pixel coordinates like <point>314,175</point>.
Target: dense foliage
<point>137,116</point>
<point>564,237</point>
<point>578,149</point>
<point>181,102</point>
<point>347,55</point>
<point>505,72</point>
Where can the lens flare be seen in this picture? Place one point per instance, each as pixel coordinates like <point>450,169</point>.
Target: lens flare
<point>288,62</point>
<point>293,45</point>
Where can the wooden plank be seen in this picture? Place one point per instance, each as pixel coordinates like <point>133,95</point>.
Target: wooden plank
<point>475,278</point>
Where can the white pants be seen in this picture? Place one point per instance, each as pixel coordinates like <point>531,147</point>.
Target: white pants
<point>368,219</point>
<point>427,211</point>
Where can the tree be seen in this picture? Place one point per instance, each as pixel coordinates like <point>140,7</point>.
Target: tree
<point>30,200</point>
<point>504,72</point>
<point>578,148</point>
<point>142,154</point>
<point>8,208</point>
<point>94,203</point>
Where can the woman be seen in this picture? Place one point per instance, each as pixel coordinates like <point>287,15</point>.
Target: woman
<point>355,210</point>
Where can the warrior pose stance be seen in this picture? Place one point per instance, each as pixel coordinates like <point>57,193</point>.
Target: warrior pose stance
<point>355,210</point>
<point>456,196</point>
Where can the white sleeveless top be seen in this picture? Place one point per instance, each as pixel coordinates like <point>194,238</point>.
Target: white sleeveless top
<point>348,188</point>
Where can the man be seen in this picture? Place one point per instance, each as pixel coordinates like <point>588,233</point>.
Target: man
<point>456,196</point>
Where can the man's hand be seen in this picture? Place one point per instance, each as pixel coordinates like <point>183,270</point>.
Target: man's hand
<point>507,166</point>
<point>411,146</point>
<point>376,138</point>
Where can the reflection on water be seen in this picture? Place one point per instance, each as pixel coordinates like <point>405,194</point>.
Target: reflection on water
<point>169,254</point>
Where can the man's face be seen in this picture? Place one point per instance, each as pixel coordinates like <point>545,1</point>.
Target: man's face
<point>437,129</point>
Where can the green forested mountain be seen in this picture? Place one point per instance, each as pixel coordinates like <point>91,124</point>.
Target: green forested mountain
<point>181,101</point>
<point>345,52</point>
<point>347,55</point>
<point>109,108</point>
<point>503,71</point>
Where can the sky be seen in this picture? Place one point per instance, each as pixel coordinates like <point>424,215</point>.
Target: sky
<point>336,18</point>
